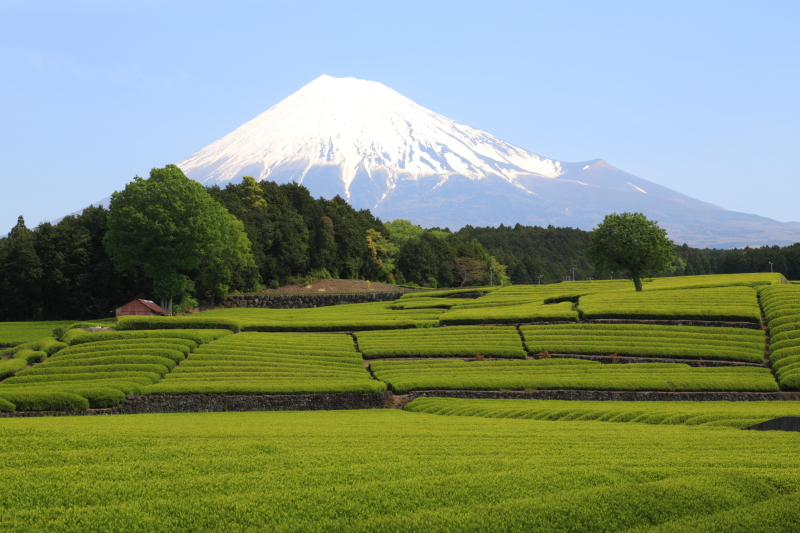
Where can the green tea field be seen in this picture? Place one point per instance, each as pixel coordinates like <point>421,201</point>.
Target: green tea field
<point>389,470</point>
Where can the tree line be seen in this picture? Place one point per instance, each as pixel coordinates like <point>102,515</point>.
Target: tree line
<point>168,238</point>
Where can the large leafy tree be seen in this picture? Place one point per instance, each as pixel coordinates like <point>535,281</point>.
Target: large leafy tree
<point>216,274</point>
<point>171,226</point>
<point>632,245</point>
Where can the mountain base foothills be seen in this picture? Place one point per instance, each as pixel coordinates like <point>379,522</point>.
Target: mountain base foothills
<point>445,454</point>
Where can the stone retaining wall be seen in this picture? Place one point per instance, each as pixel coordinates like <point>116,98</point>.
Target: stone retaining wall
<point>212,403</point>
<point>303,301</point>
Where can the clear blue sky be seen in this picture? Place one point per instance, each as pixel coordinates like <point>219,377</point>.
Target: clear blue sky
<point>702,97</point>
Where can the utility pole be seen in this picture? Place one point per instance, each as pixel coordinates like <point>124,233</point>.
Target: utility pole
<point>491,277</point>
<point>612,276</point>
<point>770,266</point>
<point>540,279</point>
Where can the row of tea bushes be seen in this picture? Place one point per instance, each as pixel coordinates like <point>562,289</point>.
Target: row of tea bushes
<point>127,323</point>
<point>271,363</point>
<point>556,374</point>
<point>48,345</point>
<point>642,340</point>
<point>729,304</point>
<point>510,314</point>
<point>426,303</point>
<point>30,356</point>
<point>199,336</point>
<point>8,367</point>
<point>448,293</point>
<point>752,280</point>
<point>351,317</point>
<point>781,305</point>
<point>729,414</point>
<point>462,341</point>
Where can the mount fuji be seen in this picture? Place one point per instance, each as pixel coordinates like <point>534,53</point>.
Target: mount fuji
<point>381,151</point>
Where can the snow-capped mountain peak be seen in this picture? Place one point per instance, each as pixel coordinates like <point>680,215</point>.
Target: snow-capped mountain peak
<point>338,128</point>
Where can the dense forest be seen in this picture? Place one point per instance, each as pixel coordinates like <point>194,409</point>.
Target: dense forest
<point>63,270</point>
<point>531,251</point>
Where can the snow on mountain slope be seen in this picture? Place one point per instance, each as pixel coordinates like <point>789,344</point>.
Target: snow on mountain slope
<point>348,126</point>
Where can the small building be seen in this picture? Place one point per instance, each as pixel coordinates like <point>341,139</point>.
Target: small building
<point>141,307</point>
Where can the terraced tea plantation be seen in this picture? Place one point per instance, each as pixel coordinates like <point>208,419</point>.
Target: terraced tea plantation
<point>555,374</point>
<point>640,340</point>
<point>155,355</point>
<point>271,363</point>
<point>483,341</point>
<point>727,414</point>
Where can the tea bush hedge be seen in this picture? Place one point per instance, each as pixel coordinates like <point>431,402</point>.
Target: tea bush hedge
<point>689,342</point>
<point>148,341</point>
<point>143,378</point>
<point>39,370</point>
<point>199,336</point>
<point>548,374</point>
<point>466,341</point>
<point>6,406</point>
<point>510,314</point>
<point>185,345</point>
<point>44,400</point>
<point>109,360</point>
<point>8,367</point>
<point>31,356</point>
<point>351,317</point>
<point>173,354</point>
<point>730,304</point>
<point>96,394</point>
<point>176,322</point>
<point>711,413</point>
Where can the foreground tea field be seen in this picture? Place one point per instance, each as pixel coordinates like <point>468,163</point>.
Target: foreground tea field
<point>388,471</point>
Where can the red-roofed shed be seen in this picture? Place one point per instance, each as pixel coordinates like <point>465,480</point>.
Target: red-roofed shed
<point>141,307</point>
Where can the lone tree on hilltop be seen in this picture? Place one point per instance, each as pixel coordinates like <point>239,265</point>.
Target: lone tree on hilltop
<point>172,227</point>
<point>632,245</point>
